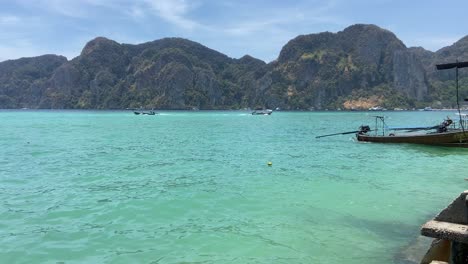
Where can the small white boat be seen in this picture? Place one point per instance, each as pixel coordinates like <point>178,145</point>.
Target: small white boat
<point>262,112</point>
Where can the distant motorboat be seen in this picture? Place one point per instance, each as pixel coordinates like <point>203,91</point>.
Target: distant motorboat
<point>262,112</point>
<point>144,112</point>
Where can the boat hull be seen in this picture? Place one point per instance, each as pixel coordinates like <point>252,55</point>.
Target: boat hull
<point>450,138</point>
<point>144,113</point>
<point>262,112</point>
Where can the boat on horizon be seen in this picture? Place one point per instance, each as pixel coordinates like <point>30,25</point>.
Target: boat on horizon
<point>262,112</point>
<point>151,112</point>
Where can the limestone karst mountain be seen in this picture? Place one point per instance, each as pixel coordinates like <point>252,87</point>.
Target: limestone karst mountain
<point>361,66</point>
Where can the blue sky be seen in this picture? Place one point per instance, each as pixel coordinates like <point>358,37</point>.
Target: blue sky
<point>259,28</point>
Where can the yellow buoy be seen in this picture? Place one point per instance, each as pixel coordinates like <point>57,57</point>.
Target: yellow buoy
<point>269,163</point>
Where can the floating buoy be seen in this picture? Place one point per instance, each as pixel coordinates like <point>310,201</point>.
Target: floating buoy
<point>269,163</point>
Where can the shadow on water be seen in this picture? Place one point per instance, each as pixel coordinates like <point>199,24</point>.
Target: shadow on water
<point>414,251</point>
<point>437,151</point>
<point>416,246</point>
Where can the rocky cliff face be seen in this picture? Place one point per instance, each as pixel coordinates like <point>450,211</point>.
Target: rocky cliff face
<point>359,66</point>
<point>23,82</point>
<point>170,73</point>
<point>321,68</point>
<point>409,76</point>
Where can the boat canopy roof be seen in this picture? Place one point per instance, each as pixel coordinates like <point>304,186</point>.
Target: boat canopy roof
<point>413,128</point>
<point>446,66</point>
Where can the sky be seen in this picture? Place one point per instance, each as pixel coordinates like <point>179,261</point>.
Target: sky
<point>259,28</point>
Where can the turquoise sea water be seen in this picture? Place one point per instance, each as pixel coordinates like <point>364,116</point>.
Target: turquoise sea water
<point>194,187</point>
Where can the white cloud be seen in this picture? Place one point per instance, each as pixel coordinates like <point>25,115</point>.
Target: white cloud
<point>174,11</point>
<point>136,12</point>
<point>9,20</point>
<point>250,27</point>
<point>22,48</point>
<point>74,8</point>
<point>64,7</point>
<point>291,18</point>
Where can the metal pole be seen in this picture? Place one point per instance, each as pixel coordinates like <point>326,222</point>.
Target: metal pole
<point>376,128</point>
<point>458,103</point>
<point>383,125</point>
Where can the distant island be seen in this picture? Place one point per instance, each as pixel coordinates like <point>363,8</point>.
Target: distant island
<point>361,67</point>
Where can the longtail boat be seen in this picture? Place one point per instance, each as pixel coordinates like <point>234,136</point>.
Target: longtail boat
<point>445,134</point>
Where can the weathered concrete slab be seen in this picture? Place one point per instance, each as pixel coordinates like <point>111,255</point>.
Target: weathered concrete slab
<point>444,230</point>
<point>456,212</point>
